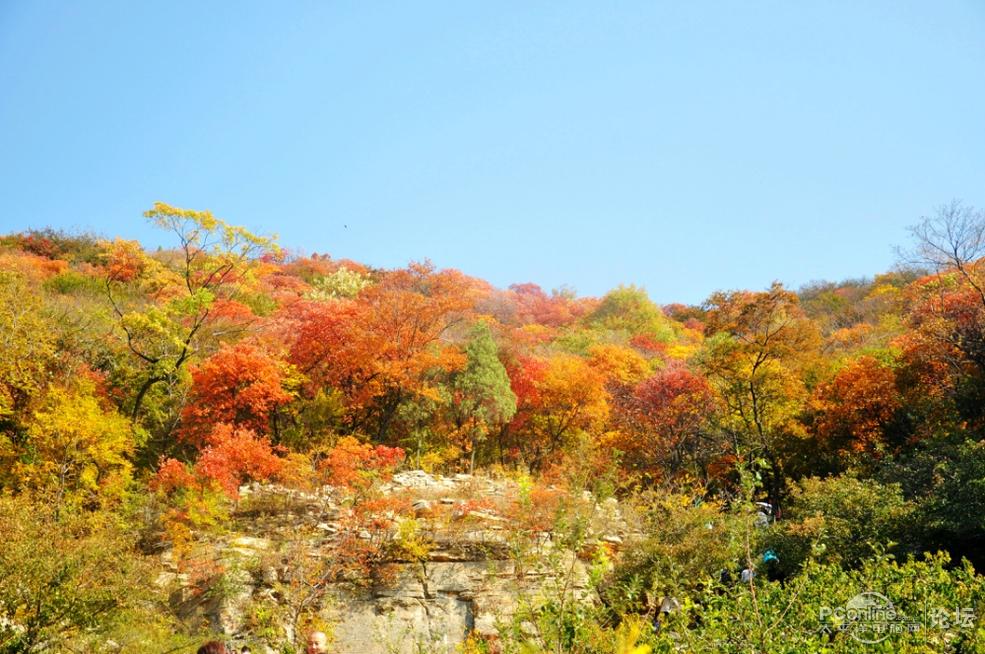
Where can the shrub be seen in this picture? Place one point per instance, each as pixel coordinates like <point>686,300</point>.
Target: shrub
<point>356,465</point>
<point>63,575</point>
<point>840,519</point>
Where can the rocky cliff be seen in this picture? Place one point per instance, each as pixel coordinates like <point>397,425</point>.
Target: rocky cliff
<point>418,564</point>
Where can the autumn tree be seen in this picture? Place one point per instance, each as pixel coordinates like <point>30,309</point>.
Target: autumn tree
<point>558,399</point>
<point>532,305</point>
<point>75,447</point>
<point>165,304</point>
<point>952,245</point>
<point>952,240</point>
<point>949,305</point>
<point>758,348</point>
<point>356,465</point>
<point>232,456</point>
<point>411,313</point>
<point>618,364</point>
<point>27,345</point>
<point>856,408</point>
<point>930,374</point>
<point>665,423</point>
<point>383,348</point>
<point>240,385</point>
<point>195,494</point>
<point>321,342</point>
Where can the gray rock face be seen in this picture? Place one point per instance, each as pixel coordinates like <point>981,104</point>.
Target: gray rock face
<point>468,578</point>
<point>433,606</point>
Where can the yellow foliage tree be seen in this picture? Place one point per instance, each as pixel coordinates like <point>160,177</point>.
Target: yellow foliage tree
<point>211,263</point>
<point>26,343</point>
<point>568,399</point>
<point>76,448</point>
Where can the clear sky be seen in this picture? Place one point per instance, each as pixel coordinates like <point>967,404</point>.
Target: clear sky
<point>683,146</point>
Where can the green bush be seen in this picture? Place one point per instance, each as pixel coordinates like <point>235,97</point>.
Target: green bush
<point>936,605</point>
<point>73,582</point>
<point>70,282</point>
<point>688,544</point>
<point>840,520</point>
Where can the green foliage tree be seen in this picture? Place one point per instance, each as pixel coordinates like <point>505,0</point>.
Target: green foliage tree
<point>688,543</point>
<point>945,481</point>
<point>630,309</point>
<point>802,615</point>
<point>480,394</point>
<point>954,508</point>
<point>63,575</point>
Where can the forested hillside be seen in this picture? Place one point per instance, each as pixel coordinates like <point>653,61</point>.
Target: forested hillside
<point>141,390</point>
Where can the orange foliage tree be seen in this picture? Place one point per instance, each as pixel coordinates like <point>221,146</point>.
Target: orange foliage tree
<point>228,457</point>
<point>856,407</point>
<point>558,399</point>
<point>759,346</point>
<point>240,385</point>
<point>352,464</point>
<point>382,348</point>
<point>233,456</point>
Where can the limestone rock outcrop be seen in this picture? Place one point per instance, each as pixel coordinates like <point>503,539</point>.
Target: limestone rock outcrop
<point>441,558</point>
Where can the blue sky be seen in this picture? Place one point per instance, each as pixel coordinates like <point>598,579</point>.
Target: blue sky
<point>682,146</point>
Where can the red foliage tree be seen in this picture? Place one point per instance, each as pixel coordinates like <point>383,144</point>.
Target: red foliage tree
<point>241,385</point>
<point>237,455</point>
<point>664,421</point>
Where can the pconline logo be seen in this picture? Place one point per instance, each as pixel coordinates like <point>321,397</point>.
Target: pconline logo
<point>869,617</point>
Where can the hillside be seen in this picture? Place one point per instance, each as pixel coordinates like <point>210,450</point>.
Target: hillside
<point>224,438</point>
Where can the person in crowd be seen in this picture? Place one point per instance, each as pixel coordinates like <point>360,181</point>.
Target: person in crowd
<point>317,643</point>
<point>764,514</point>
<point>772,563</point>
<point>213,647</point>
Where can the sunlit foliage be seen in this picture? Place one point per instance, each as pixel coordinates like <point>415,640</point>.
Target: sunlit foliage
<point>141,389</point>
